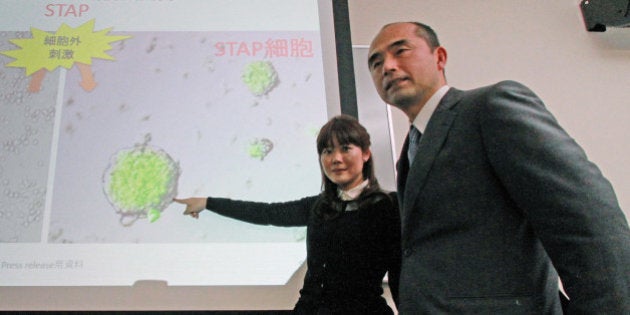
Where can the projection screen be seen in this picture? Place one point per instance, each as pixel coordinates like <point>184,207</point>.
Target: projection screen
<point>110,109</point>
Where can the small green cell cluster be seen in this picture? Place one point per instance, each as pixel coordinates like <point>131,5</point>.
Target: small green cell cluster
<point>259,148</point>
<point>260,77</point>
<point>141,182</point>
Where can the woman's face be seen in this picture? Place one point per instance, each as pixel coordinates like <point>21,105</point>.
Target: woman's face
<point>343,164</point>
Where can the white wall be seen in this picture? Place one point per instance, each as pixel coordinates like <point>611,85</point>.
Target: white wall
<point>583,77</point>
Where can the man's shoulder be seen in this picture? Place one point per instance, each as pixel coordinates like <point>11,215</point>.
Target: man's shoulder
<point>498,86</point>
<point>499,90</point>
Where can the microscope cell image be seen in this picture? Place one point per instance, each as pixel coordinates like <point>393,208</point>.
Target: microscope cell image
<point>259,148</point>
<point>140,183</point>
<point>260,77</point>
<point>174,117</point>
<point>26,123</point>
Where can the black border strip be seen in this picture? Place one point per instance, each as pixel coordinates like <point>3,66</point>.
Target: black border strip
<point>345,64</point>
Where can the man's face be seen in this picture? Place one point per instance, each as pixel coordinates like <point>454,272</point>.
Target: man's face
<point>404,69</point>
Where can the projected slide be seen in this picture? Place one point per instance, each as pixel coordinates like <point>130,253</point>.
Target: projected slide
<point>109,109</point>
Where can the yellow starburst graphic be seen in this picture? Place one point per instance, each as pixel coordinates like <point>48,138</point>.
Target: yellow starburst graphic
<point>64,48</point>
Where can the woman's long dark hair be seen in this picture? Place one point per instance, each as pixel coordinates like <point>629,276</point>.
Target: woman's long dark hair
<point>346,130</point>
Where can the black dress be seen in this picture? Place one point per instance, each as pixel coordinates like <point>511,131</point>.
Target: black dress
<point>348,253</point>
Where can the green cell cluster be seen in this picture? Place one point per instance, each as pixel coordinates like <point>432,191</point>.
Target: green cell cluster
<point>141,182</point>
<point>260,77</point>
<point>259,148</point>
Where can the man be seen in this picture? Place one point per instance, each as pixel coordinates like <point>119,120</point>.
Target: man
<point>498,199</point>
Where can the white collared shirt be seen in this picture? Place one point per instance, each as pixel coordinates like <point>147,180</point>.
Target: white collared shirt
<point>353,193</point>
<point>427,110</point>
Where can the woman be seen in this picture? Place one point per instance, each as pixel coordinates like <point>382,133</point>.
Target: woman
<point>353,232</point>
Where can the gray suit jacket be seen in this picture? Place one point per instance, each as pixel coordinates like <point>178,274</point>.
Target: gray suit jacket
<point>498,202</point>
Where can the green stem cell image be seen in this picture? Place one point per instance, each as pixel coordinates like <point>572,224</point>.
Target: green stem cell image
<point>259,148</point>
<point>260,77</point>
<point>140,183</point>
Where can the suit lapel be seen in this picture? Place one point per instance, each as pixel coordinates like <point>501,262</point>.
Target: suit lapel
<point>411,179</point>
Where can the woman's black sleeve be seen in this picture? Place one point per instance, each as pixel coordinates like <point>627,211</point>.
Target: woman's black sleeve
<point>292,213</point>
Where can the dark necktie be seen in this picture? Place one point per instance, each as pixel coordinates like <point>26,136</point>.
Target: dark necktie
<point>414,140</point>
